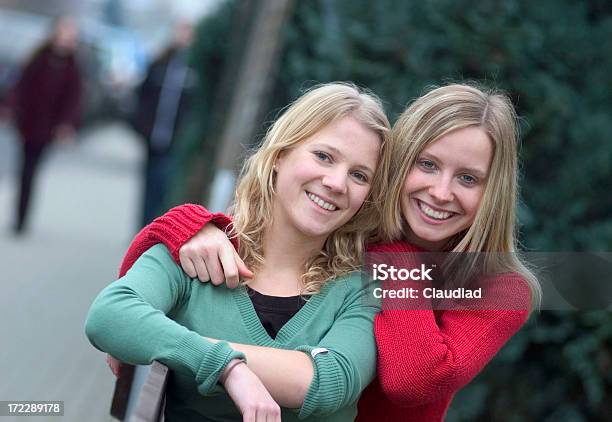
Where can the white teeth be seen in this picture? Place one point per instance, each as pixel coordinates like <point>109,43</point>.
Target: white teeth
<point>325,205</point>
<point>438,215</point>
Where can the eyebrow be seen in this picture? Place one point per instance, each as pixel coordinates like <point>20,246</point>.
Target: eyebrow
<point>475,171</point>
<point>338,152</point>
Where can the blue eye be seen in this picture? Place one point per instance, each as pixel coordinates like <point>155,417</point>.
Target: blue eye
<point>360,176</point>
<point>427,165</point>
<point>468,179</point>
<point>322,156</point>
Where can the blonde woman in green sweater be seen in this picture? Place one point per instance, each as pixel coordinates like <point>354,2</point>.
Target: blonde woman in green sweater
<point>302,212</point>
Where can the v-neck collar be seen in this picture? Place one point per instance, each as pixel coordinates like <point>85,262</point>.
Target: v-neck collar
<point>289,330</point>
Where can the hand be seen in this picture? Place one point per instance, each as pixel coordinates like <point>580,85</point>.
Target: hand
<point>250,395</point>
<point>210,255</point>
<point>114,365</point>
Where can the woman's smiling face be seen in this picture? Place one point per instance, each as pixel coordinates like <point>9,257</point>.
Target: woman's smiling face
<point>322,182</point>
<point>443,190</point>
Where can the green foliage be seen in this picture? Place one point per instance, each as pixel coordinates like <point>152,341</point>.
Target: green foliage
<point>558,367</point>
<point>554,57</point>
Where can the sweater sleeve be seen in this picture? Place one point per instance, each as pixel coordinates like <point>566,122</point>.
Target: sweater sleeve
<point>345,359</point>
<point>129,320</point>
<point>173,229</point>
<point>426,355</point>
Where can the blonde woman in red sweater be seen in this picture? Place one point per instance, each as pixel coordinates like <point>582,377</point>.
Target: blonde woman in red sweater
<point>452,188</point>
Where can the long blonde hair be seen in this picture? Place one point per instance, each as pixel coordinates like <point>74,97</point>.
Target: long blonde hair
<point>252,207</point>
<point>432,116</point>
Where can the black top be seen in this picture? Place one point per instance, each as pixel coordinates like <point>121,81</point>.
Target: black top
<point>275,311</point>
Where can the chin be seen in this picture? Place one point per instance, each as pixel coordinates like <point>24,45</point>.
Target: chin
<point>314,230</point>
<point>317,226</point>
<point>428,234</point>
<point>429,237</point>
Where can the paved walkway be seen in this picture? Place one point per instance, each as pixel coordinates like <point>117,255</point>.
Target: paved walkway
<point>84,213</point>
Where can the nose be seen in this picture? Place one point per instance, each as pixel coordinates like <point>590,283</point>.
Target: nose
<point>441,189</point>
<point>335,180</point>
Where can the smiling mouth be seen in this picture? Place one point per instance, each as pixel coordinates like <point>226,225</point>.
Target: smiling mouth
<point>321,203</point>
<point>433,214</point>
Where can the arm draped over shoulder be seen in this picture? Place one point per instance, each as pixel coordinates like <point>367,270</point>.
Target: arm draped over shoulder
<point>173,229</point>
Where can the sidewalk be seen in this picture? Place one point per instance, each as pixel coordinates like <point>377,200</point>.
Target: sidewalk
<point>84,213</point>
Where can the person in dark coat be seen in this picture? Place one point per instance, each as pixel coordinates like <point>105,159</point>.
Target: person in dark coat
<point>163,101</point>
<point>45,105</point>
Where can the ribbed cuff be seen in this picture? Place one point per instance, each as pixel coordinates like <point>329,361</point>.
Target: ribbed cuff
<point>181,223</point>
<point>178,225</point>
<point>326,390</point>
<point>204,359</point>
<point>217,358</point>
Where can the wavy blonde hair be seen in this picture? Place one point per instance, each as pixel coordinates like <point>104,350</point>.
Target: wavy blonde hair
<point>432,116</point>
<point>252,207</point>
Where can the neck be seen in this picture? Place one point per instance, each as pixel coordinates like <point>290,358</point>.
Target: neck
<point>285,255</point>
<point>286,249</point>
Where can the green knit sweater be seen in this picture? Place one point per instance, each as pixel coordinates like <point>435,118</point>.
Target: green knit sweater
<point>156,312</point>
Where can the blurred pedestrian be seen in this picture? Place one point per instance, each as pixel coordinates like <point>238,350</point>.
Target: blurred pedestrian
<point>45,105</point>
<point>163,101</point>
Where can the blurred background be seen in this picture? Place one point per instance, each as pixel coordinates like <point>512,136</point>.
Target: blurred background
<point>237,63</point>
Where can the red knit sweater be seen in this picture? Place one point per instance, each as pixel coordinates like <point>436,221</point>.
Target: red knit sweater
<point>424,356</point>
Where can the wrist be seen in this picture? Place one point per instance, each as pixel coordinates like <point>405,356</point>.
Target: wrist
<point>230,368</point>
<point>224,223</point>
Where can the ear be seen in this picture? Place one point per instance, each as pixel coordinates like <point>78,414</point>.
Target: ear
<point>278,161</point>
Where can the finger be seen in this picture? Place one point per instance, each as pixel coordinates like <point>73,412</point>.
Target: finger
<point>117,369</point>
<point>108,362</point>
<point>201,269</point>
<point>230,269</point>
<point>243,270</point>
<point>114,365</point>
<point>275,414</point>
<point>215,271</point>
<point>249,415</point>
<point>187,266</point>
<point>272,415</point>
<point>260,415</point>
